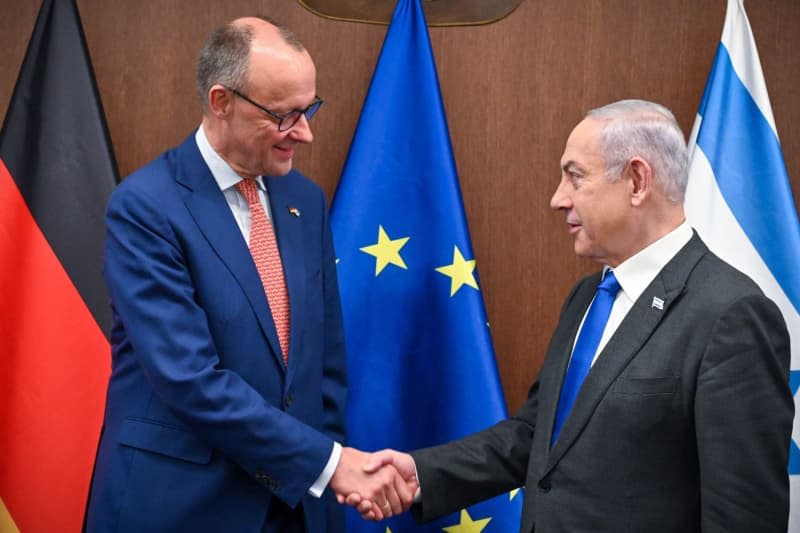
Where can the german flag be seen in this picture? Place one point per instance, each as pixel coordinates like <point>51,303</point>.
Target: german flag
<point>57,170</point>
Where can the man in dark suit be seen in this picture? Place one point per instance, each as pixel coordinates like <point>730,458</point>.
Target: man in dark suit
<point>681,416</point>
<point>225,406</point>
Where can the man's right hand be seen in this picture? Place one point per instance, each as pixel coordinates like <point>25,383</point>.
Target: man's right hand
<point>403,463</point>
<point>379,492</point>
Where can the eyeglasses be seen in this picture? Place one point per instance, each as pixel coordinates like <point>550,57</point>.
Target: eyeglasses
<point>287,120</point>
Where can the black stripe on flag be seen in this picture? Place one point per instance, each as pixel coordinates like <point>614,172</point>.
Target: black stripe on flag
<point>56,145</point>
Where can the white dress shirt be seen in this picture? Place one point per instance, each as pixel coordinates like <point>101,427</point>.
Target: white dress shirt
<point>636,273</point>
<point>226,179</point>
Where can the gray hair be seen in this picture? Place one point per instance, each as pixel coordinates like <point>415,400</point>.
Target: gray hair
<point>224,57</point>
<point>637,128</point>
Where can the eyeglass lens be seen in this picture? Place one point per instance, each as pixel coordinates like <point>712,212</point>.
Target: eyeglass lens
<point>290,119</point>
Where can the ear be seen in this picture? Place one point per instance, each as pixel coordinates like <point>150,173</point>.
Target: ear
<point>219,101</point>
<point>641,176</point>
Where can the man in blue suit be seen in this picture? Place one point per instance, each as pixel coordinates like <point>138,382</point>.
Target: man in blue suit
<point>225,406</point>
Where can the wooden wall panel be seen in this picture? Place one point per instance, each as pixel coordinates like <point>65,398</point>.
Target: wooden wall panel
<point>513,90</point>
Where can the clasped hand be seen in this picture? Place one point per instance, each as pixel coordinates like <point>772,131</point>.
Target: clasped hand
<point>379,485</point>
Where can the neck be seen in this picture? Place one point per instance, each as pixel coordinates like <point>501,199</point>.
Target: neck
<point>649,229</point>
<point>214,133</point>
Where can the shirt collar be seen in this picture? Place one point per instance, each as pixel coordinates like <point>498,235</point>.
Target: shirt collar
<point>224,175</point>
<point>638,271</point>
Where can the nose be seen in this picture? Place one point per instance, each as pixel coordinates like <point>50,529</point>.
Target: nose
<point>561,198</point>
<point>301,131</point>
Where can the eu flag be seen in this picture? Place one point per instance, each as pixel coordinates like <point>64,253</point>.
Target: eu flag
<point>738,196</point>
<point>421,365</point>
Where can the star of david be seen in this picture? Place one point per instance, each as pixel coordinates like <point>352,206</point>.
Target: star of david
<point>794,450</point>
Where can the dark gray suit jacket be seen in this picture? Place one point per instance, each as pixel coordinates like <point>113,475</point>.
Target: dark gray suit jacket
<point>683,423</point>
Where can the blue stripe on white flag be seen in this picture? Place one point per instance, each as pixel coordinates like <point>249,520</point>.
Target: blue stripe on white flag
<point>745,155</point>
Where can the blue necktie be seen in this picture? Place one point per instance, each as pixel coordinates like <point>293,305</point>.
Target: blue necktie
<point>585,348</point>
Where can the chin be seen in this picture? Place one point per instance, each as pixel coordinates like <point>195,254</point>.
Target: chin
<point>586,252</point>
<point>580,249</point>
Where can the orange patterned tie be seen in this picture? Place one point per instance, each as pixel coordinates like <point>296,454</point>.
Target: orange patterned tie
<point>264,249</point>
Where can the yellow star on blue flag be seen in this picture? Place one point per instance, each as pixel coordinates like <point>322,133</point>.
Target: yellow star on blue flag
<point>460,271</point>
<point>467,524</point>
<point>386,251</point>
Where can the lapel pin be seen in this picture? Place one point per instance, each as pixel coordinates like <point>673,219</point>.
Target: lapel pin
<point>294,211</point>
<point>658,303</point>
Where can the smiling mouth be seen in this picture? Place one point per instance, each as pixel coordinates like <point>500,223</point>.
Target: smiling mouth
<point>286,151</point>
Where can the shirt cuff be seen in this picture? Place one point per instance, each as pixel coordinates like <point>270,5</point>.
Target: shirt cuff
<point>324,478</point>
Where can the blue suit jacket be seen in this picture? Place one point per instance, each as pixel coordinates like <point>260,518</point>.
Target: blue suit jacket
<point>205,429</point>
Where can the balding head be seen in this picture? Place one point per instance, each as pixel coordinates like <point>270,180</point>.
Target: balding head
<point>269,29</point>
<point>224,58</point>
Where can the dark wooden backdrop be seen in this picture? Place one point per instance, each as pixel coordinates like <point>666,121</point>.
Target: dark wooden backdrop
<point>512,90</point>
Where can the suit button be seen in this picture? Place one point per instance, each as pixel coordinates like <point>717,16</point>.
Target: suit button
<point>544,485</point>
<point>287,401</point>
<point>265,480</point>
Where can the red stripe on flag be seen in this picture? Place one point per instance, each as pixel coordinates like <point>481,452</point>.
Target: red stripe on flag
<point>54,367</point>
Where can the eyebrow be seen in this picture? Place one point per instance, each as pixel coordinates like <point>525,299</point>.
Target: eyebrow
<point>572,165</point>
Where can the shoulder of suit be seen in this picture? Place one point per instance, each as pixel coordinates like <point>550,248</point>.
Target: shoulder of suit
<point>152,184</point>
<point>297,179</point>
<point>151,175</point>
<point>721,281</point>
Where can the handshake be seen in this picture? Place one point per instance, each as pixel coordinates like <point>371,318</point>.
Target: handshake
<point>380,485</point>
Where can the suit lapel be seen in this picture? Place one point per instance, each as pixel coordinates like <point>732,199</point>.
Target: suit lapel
<point>287,220</point>
<point>558,355</point>
<point>631,335</point>
<point>213,217</point>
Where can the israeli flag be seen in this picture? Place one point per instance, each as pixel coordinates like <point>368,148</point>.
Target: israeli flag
<point>739,198</point>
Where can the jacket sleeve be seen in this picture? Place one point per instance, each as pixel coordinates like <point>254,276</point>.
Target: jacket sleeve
<point>463,472</point>
<point>334,385</point>
<point>334,382</point>
<point>743,416</point>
